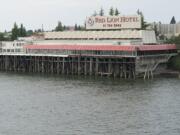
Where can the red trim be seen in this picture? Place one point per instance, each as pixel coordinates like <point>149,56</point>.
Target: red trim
<point>104,47</point>
<point>83,47</point>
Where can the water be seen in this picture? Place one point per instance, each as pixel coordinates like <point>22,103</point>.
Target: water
<point>47,105</point>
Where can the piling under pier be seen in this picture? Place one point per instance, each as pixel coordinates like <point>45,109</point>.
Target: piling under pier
<point>118,67</point>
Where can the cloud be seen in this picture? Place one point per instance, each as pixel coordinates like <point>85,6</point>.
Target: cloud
<point>34,13</point>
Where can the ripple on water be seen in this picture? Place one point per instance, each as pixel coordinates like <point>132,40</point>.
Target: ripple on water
<point>43,105</point>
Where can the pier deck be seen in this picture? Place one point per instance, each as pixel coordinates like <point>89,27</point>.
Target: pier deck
<point>123,67</point>
<point>116,61</point>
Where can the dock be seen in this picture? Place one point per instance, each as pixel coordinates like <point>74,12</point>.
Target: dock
<point>111,61</point>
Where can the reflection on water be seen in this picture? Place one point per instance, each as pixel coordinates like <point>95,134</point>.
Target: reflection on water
<point>70,105</point>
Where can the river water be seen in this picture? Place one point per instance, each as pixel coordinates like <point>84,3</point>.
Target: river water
<point>58,105</point>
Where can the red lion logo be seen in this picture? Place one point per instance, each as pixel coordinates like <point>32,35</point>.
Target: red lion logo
<point>90,21</point>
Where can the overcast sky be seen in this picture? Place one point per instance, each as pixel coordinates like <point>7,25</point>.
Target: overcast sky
<point>34,13</point>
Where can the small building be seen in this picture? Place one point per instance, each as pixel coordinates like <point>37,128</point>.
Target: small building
<point>167,30</point>
<point>12,46</point>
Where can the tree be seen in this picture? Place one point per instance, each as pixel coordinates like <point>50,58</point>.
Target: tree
<point>29,32</point>
<point>116,12</point>
<point>1,36</point>
<point>65,28</point>
<point>101,12</point>
<point>173,20</point>
<point>59,27</point>
<point>111,11</point>
<point>162,37</point>
<point>22,31</point>
<point>6,36</point>
<point>174,40</point>
<point>75,27</point>
<point>156,29</point>
<point>15,32</point>
<point>144,24</point>
<point>79,27</point>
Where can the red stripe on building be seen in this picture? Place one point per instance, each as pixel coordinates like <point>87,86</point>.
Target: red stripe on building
<point>83,47</point>
<point>103,47</point>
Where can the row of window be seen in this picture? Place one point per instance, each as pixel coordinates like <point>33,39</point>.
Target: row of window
<point>14,44</point>
<point>11,50</point>
<point>18,44</point>
<point>84,52</point>
<point>75,52</point>
<point>140,53</point>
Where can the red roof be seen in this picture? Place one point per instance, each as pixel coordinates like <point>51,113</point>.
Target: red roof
<point>83,47</point>
<point>103,47</point>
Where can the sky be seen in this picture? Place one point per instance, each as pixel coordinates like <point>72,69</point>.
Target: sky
<point>34,13</point>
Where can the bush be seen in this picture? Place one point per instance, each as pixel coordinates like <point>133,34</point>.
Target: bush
<point>174,63</point>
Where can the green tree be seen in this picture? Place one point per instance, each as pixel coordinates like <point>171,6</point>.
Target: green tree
<point>79,27</point>
<point>38,31</point>
<point>59,27</point>
<point>1,36</point>
<point>15,32</point>
<point>162,37</point>
<point>173,20</point>
<point>29,33</point>
<point>22,31</point>
<point>174,40</point>
<point>75,27</point>
<point>101,12</point>
<point>144,24</point>
<point>7,36</point>
<point>65,28</point>
<point>156,29</point>
<point>116,12</point>
<point>111,11</point>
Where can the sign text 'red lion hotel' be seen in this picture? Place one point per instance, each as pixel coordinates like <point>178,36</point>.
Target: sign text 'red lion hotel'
<point>113,22</point>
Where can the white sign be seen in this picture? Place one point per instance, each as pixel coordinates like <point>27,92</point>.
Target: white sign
<point>114,22</point>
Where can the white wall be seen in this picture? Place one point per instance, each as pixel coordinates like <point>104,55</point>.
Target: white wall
<point>12,47</point>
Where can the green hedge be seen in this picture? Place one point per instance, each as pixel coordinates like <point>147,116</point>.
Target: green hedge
<point>174,63</point>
